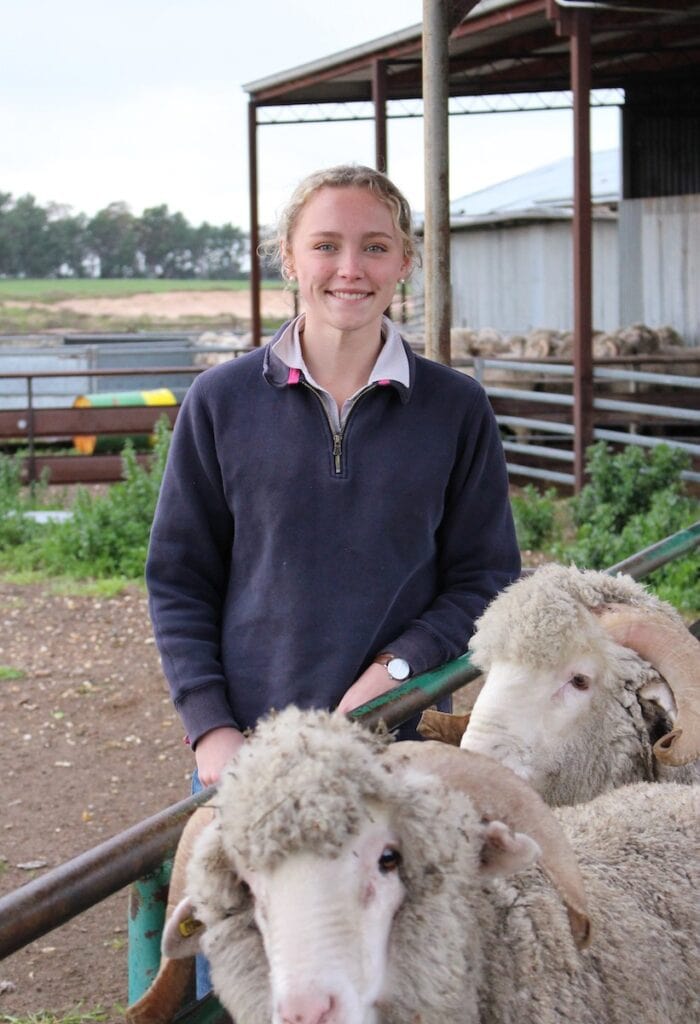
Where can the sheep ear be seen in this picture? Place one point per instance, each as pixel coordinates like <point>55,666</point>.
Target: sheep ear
<point>182,932</point>
<point>438,725</point>
<point>505,852</point>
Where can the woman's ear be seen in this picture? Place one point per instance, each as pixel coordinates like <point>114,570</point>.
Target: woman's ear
<point>287,263</point>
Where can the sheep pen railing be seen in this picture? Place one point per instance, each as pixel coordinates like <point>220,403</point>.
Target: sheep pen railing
<point>142,855</point>
<point>532,399</point>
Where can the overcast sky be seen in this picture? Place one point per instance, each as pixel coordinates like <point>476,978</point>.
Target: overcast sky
<point>142,101</point>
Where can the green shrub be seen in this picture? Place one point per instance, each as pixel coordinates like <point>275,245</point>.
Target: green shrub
<point>535,517</point>
<point>106,536</point>
<point>15,500</point>
<point>632,500</point>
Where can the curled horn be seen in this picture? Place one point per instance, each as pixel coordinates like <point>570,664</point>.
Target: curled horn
<point>675,654</point>
<point>500,795</point>
<point>164,997</point>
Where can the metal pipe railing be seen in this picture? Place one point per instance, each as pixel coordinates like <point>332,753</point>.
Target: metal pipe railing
<point>55,897</point>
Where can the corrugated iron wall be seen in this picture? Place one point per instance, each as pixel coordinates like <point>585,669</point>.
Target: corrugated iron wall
<point>517,277</point>
<point>659,243</point>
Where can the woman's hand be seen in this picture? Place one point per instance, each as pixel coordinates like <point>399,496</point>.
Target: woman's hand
<point>373,682</point>
<point>213,752</point>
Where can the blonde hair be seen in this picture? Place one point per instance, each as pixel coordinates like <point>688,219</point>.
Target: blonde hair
<point>342,176</point>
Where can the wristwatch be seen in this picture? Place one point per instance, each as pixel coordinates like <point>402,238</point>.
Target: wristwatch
<point>398,668</point>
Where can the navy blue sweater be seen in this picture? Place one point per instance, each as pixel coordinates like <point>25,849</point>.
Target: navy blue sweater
<point>283,559</point>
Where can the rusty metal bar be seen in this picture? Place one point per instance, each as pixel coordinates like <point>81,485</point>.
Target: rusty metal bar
<point>379,100</point>
<point>30,432</point>
<point>122,371</point>
<point>57,896</point>
<point>582,241</point>
<point>656,555</point>
<point>255,319</point>
<point>436,259</point>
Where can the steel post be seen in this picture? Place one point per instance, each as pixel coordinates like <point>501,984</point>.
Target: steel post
<point>255,319</point>
<point>148,898</point>
<point>436,258</point>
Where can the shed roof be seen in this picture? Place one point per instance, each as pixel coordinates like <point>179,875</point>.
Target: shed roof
<point>546,188</point>
<point>501,47</point>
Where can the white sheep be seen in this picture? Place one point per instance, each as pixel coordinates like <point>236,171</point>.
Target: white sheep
<point>591,683</point>
<point>348,881</point>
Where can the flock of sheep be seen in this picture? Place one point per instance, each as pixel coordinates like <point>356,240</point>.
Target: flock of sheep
<point>465,342</point>
<point>536,862</point>
<point>541,343</point>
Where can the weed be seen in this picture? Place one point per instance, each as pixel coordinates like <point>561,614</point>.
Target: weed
<point>76,1016</point>
<point>634,499</point>
<point>106,536</point>
<point>7,672</point>
<point>535,517</point>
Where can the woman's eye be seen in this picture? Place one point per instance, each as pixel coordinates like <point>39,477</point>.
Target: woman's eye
<point>579,682</point>
<point>389,860</point>
<point>376,248</point>
<point>324,247</point>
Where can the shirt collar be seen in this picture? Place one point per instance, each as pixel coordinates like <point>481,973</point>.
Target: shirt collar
<point>391,363</point>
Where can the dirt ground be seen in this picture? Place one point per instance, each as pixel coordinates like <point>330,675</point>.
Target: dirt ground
<point>175,304</point>
<point>90,746</point>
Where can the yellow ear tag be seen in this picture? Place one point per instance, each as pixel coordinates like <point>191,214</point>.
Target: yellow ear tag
<point>188,926</point>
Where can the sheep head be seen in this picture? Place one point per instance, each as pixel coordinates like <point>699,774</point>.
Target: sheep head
<point>325,858</point>
<point>584,672</point>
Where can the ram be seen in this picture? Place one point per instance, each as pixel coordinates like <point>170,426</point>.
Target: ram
<point>591,682</point>
<point>348,880</point>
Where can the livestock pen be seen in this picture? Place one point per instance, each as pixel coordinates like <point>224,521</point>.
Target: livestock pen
<point>643,400</point>
<point>140,856</point>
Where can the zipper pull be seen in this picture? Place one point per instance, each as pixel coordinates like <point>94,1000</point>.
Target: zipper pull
<point>337,450</point>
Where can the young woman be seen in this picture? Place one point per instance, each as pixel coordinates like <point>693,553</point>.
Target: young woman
<point>334,514</point>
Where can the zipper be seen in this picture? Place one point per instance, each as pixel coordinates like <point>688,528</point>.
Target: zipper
<point>338,435</point>
<point>338,451</point>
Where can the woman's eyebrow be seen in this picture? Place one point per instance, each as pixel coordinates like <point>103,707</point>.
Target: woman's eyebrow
<point>339,234</point>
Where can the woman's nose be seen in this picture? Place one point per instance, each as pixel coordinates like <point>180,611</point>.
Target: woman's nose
<point>350,265</point>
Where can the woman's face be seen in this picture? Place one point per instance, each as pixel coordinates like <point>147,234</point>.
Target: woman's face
<point>347,256</point>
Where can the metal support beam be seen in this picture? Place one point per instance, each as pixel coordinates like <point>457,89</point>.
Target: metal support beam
<point>379,100</point>
<point>582,240</point>
<point>255,320</point>
<point>436,260</point>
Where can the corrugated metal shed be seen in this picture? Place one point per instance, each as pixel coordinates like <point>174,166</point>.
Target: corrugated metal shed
<point>511,253</point>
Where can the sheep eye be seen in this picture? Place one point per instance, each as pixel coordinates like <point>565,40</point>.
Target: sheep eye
<point>389,860</point>
<point>579,682</point>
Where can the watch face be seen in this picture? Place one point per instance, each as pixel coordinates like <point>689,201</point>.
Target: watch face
<point>398,669</point>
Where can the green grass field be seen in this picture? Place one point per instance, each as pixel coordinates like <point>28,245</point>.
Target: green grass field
<point>53,290</point>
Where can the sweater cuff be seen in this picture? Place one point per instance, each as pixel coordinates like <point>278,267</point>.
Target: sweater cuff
<point>204,709</point>
<point>420,648</point>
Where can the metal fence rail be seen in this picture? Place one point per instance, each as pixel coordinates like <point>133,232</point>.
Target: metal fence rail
<point>531,398</point>
<point>558,442</point>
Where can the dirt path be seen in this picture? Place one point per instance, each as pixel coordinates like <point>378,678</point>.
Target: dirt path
<point>172,305</point>
<point>90,746</point>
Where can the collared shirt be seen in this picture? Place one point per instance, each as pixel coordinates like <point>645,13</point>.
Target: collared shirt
<point>391,364</point>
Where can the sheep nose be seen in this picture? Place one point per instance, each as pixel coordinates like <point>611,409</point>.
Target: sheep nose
<point>306,1008</point>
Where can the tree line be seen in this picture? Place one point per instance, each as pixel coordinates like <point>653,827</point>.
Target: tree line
<point>51,241</point>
